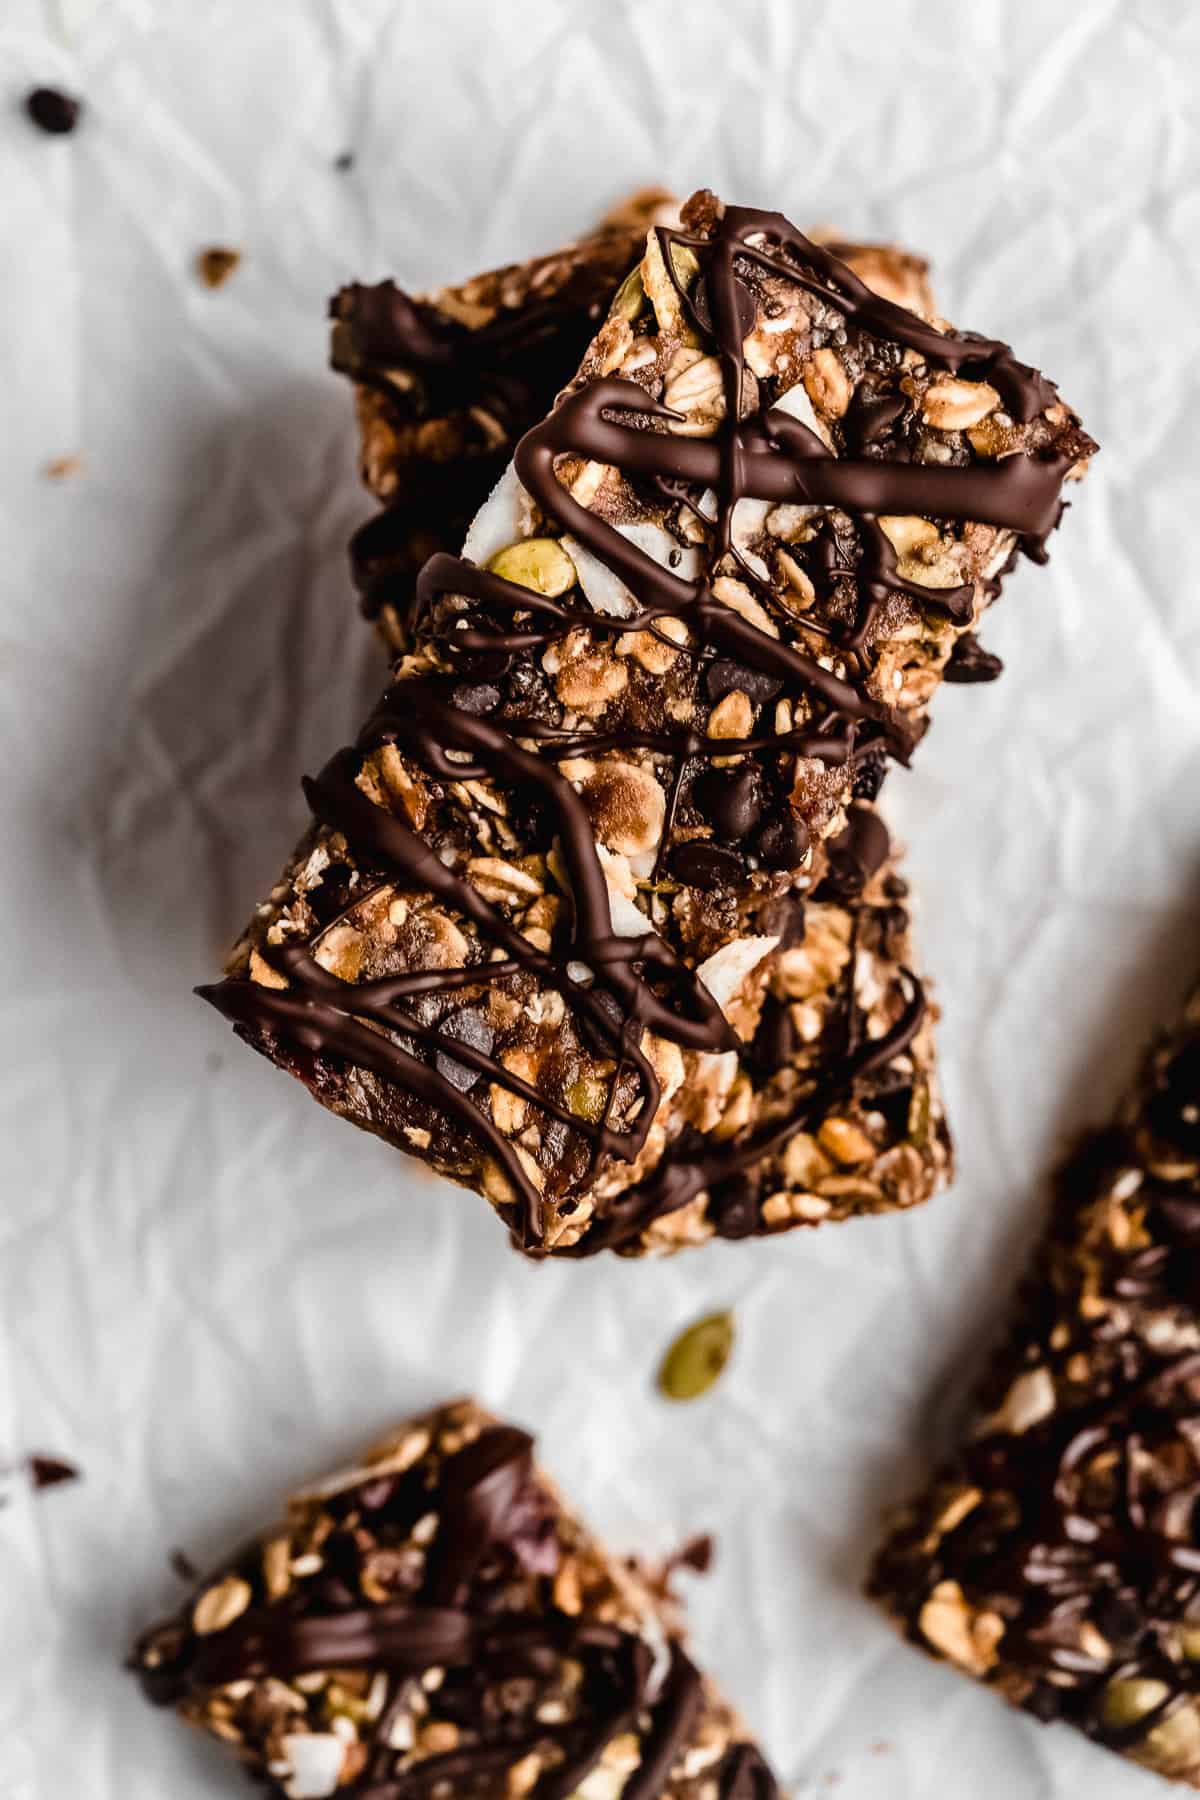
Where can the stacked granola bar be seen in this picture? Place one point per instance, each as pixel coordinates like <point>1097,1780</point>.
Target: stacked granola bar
<point>1055,1556</point>
<point>546,911</point>
<point>433,1623</point>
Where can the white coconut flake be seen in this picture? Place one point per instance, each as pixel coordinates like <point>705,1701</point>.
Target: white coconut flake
<point>315,1760</point>
<point>627,919</point>
<point>501,520</point>
<point>724,972</point>
<point>605,590</point>
<point>747,523</point>
<point>798,405</point>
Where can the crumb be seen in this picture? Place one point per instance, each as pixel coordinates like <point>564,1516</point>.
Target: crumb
<point>214,1061</point>
<point>697,1554</point>
<point>50,1471</point>
<point>880,1747</point>
<point>214,266</point>
<point>52,111</point>
<point>183,1566</point>
<point>61,468</point>
<point>344,162</point>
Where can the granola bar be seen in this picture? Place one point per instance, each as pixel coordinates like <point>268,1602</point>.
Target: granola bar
<point>436,1623</point>
<point>826,1106</point>
<point>447,383</point>
<point>1055,1557</point>
<point>607,759</point>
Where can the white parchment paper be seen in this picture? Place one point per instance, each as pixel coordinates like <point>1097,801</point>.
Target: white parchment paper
<point>210,1289</point>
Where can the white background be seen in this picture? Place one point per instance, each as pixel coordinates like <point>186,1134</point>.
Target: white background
<point>208,1287</point>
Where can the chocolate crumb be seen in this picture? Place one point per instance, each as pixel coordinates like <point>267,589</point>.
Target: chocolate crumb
<point>52,111</point>
<point>344,162</point>
<point>50,1471</point>
<point>970,662</point>
<point>215,265</point>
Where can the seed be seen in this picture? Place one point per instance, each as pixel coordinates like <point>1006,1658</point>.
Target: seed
<point>587,1098</point>
<point>697,1357</point>
<point>540,564</point>
<point>219,1606</point>
<point>630,296</point>
<point>1125,1702</point>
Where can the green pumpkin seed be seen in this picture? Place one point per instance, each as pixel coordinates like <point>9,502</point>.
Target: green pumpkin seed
<point>537,563</point>
<point>630,296</point>
<point>697,1357</point>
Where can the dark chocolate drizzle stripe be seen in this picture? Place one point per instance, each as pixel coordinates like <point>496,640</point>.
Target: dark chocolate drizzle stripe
<point>1122,1553</point>
<point>769,457</point>
<point>681,1176</point>
<point>481,1494</point>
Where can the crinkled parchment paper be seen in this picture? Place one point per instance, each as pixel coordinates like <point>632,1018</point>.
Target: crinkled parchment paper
<point>208,1287</point>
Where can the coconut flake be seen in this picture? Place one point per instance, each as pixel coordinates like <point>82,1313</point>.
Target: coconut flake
<point>627,919</point>
<point>747,523</point>
<point>501,520</point>
<point>724,972</point>
<point>797,404</point>
<point>315,1759</point>
<point>606,591</point>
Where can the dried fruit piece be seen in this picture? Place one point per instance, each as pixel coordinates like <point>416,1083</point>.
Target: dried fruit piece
<point>697,1358</point>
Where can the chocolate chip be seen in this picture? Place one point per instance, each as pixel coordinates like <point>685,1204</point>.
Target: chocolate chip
<point>783,840</point>
<point>775,1039</point>
<point>333,894</point>
<point>475,697</point>
<point>871,416</point>
<point>730,803</point>
<point>50,1471</point>
<point>733,1205</point>
<point>868,774</point>
<point>862,848</point>
<point>706,865</point>
<point>594,1036</point>
<point>970,662</point>
<point>784,918</point>
<point>467,1027</point>
<point>724,676</point>
<point>485,666</point>
<point>53,111</point>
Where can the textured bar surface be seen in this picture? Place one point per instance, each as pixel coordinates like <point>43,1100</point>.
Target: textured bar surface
<point>447,383</point>
<point>629,726</point>
<point>434,1624</point>
<point>1056,1556</point>
<point>829,1108</point>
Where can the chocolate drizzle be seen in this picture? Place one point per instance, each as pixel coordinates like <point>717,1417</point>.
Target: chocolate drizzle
<point>1085,1537</point>
<point>486,1496</point>
<point>481,621</point>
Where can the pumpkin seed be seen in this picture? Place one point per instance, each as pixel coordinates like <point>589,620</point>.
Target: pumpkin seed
<point>697,1357</point>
